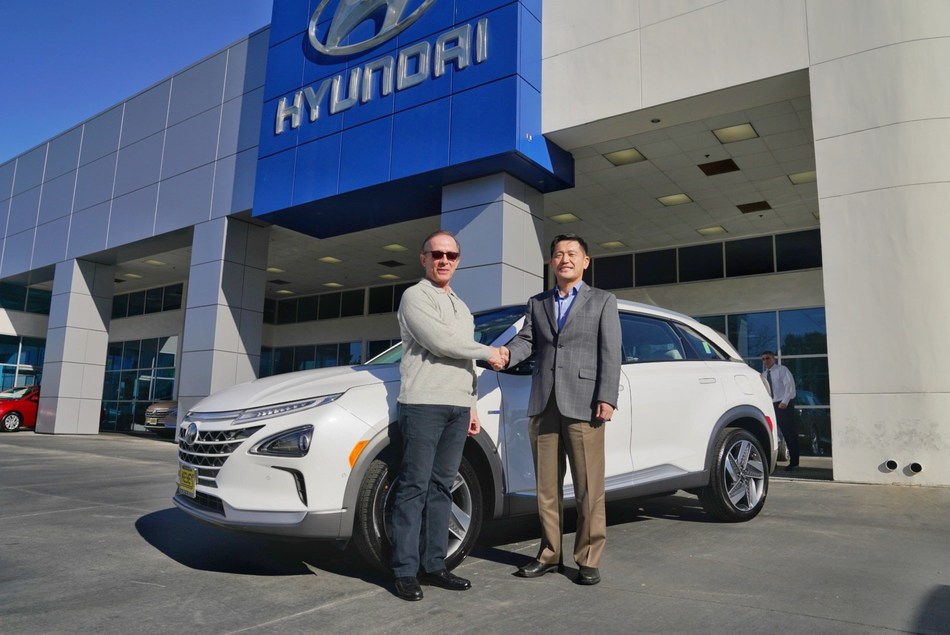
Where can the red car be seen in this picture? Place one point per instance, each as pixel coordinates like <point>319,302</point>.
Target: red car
<point>18,407</point>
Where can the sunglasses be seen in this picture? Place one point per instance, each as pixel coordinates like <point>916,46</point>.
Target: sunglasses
<point>452,256</point>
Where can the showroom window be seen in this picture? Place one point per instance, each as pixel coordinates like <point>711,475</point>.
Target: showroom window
<point>14,297</point>
<point>148,301</point>
<point>799,338</point>
<point>138,373</point>
<point>21,361</point>
<point>287,359</point>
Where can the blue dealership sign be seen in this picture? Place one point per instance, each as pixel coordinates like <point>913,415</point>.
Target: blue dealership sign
<point>370,106</point>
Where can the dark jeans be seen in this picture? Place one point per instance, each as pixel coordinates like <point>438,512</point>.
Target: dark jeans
<point>788,424</point>
<point>433,438</point>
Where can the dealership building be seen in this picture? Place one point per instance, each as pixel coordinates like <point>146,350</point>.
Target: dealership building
<point>778,169</point>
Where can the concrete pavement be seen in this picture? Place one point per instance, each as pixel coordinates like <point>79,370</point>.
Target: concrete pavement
<point>91,543</point>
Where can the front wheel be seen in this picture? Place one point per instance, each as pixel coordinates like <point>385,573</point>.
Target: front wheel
<point>738,479</point>
<point>374,511</point>
<point>11,422</point>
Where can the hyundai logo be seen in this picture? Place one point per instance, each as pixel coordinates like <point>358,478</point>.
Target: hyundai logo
<point>352,13</point>
<point>191,433</point>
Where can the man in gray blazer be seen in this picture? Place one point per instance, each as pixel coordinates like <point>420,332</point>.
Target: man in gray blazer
<point>575,331</point>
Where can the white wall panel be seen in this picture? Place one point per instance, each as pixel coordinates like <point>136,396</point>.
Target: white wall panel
<point>570,25</point>
<point>686,56</point>
<point>844,27</point>
<point>900,154</point>
<point>856,99</point>
<point>593,82</point>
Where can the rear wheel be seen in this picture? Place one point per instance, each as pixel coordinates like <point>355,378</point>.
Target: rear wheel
<point>374,511</point>
<point>738,480</point>
<point>11,422</point>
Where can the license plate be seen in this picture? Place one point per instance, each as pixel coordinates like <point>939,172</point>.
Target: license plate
<point>187,477</point>
<point>151,421</point>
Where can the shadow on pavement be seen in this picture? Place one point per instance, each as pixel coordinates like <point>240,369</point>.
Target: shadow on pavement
<point>934,613</point>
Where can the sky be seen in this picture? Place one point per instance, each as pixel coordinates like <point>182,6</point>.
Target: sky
<point>63,61</point>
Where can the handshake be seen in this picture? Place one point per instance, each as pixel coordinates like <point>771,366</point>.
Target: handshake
<point>499,357</point>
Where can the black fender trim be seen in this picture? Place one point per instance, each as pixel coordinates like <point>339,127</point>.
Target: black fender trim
<point>761,432</point>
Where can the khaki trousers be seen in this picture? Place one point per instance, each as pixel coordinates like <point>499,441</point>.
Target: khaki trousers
<point>552,437</point>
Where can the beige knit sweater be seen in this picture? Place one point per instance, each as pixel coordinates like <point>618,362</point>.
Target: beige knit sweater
<point>438,346</point>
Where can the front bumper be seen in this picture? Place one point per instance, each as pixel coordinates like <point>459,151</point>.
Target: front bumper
<point>326,525</point>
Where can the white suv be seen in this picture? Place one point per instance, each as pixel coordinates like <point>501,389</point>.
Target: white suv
<point>307,454</point>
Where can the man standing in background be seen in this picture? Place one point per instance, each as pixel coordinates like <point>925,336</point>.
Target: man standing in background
<point>782,386</point>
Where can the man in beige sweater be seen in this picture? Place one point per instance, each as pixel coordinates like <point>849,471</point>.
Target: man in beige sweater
<point>436,410</point>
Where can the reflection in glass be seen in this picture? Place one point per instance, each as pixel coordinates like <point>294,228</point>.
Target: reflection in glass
<point>752,333</point>
<point>811,379</point>
<point>803,332</point>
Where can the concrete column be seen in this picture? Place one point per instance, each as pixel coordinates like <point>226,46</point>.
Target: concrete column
<point>77,341</point>
<point>221,342</point>
<point>499,223</point>
<point>881,113</point>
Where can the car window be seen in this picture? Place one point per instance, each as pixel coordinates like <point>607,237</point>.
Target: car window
<point>647,339</point>
<point>14,393</point>
<point>699,347</point>
<point>488,326</point>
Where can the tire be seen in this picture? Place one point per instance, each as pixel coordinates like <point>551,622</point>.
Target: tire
<point>11,422</point>
<point>738,479</point>
<point>374,509</point>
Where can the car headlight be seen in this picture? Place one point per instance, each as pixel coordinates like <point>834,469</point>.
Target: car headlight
<point>278,410</point>
<point>294,443</point>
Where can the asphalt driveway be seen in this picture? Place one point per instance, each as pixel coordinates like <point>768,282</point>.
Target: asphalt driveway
<point>91,543</point>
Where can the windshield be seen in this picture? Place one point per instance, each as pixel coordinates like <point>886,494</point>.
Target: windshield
<point>14,393</point>
<point>488,326</point>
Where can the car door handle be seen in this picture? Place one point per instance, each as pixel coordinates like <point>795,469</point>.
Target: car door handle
<point>707,380</point>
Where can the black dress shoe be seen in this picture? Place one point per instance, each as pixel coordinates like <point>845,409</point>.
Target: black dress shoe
<point>536,569</point>
<point>445,580</point>
<point>408,589</point>
<point>588,576</point>
<point>791,468</point>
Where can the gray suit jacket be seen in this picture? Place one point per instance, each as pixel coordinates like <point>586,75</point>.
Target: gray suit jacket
<point>581,364</point>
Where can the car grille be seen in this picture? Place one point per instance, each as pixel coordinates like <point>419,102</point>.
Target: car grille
<point>210,450</point>
<point>156,412</point>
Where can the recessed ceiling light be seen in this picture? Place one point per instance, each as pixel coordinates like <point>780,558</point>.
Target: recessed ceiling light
<point>803,177</point>
<point>612,244</point>
<point>675,199</point>
<point>332,285</point>
<point>157,263</point>
<point>731,134</point>
<point>395,247</point>
<point>284,292</point>
<point>563,218</point>
<point>711,231</point>
<point>330,260</point>
<point>274,270</point>
<point>392,263</point>
<point>757,206</point>
<point>625,157</point>
<point>389,276</point>
<point>130,275</point>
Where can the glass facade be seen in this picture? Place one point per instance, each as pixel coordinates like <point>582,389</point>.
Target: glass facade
<point>21,361</point>
<point>799,339</point>
<point>287,359</point>
<point>711,261</point>
<point>148,301</point>
<point>138,372</point>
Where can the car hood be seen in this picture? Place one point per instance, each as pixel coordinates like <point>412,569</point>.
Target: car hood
<point>296,386</point>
